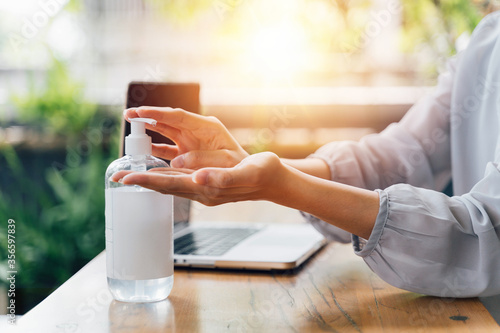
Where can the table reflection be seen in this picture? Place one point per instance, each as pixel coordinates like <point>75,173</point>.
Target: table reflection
<point>143,317</point>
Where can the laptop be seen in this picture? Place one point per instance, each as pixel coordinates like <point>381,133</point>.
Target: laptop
<point>253,246</point>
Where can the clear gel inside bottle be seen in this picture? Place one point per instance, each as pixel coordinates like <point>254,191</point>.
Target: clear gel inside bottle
<point>139,223</point>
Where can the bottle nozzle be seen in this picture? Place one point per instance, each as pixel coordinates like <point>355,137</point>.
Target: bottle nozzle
<point>138,125</point>
<point>138,142</point>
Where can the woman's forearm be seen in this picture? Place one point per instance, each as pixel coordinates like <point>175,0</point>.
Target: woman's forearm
<point>350,208</point>
<point>264,176</point>
<point>312,166</point>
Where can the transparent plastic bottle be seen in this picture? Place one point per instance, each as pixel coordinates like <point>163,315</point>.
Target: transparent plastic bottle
<point>139,222</point>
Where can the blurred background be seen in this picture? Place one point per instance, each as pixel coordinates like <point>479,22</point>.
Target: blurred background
<point>285,76</point>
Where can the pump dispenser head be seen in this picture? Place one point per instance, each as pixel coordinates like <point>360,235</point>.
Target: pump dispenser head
<point>138,142</point>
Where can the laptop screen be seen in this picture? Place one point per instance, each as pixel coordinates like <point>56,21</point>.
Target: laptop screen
<point>175,95</point>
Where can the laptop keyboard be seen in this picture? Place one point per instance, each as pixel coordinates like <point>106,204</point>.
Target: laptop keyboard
<point>211,241</point>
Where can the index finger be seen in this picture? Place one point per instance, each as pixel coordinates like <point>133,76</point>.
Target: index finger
<point>177,118</point>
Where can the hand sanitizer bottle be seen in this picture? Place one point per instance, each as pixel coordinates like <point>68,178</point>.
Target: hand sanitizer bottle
<point>139,222</point>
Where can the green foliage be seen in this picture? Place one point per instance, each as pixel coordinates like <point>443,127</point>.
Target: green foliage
<point>60,107</point>
<point>425,20</point>
<point>56,196</point>
<point>421,19</point>
<point>74,5</point>
<point>433,26</point>
<point>181,12</point>
<point>430,26</point>
<point>59,219</point>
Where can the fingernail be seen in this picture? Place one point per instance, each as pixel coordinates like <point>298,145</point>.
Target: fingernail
<point>125,112</point>
<point>124,179</point>
<point>178,162</point>
<point>200,177</point>
<point>139,110</point>
<point>113,178</point>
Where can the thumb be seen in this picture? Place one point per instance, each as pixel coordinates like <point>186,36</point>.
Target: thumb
<point>218,177</point>
<point>197,159</point>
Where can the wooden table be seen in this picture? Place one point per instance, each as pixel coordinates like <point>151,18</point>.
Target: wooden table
<point>333,292</point>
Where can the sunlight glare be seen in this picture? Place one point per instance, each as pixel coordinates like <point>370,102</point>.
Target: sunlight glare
<point>279,49</point>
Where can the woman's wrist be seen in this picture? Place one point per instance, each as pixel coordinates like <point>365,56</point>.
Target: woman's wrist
<point>352,209</point>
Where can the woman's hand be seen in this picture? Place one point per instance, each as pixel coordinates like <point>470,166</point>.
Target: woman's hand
<point>212,168</point>
<point>265,177</point>
<point>258,177</point>
<point>199,141</point>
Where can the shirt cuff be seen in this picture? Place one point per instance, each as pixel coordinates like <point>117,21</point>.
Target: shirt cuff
<point>331,165</point>
<point>363,247</point>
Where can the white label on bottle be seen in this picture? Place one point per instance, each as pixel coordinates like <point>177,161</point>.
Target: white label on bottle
<point>139,243</point>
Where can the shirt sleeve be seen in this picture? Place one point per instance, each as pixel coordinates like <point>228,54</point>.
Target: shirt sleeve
<point>414,151</point>
<point>427,242</point>
<point>423,240</point>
